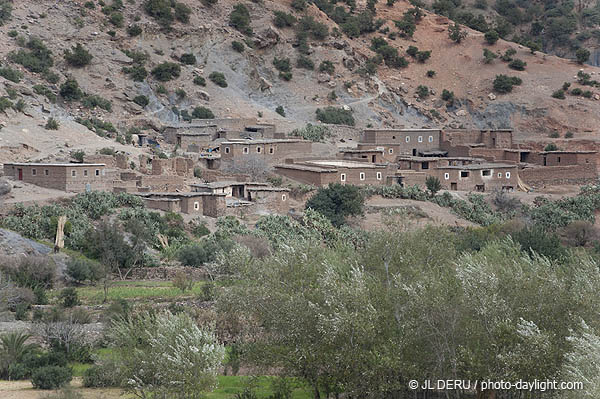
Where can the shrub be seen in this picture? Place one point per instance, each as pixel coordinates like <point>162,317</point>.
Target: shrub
<point>141,100</point>
<point>37,59</point>
<point>488,56</point>
<point>218,78</point>
<point>240,19</point>
<point>166,71</point>
<point>70,90</point>
<point>199,253</point>
<point>448,96</point>
<point>116,18</point>
<point>199,80</point>
<point>551,147</point>
<point>106,374</point>
<point>238,46</point>
<point>181,94</point>
<point>491,37</point>
<point>337,202</point>
<point>183,281</point>
<point>282,64</point>
<point>52,124</point>
<point>134,30</point>
<point>182,13</point>
<point>46,92</point>
<point>309,27</point>
<point>335,116</point>
<point>587,94</point>
<point>517,64</point>
<point>299,5</point>
<point>582,55</point>
<point>202,113</point>
<point>160,10</point>
<point>93,101</point>
<point>423,91</point>
<point>559,94</point>
<point>50,377</point>
<point>69,297</point>
<point>569,135</point>
<point>282,19</point>
<point>305,62</point>
<point>280,111</point>
<point>327,67</point>
<point>137,73</point>
<point>539,241</point>
<point>577,91</point>
<point>507,56</point>
<point>312,132</point>
<point>188,59</point>
<point>412,51</point>
<point>11,74</point>
<point>5,12</point>
<point>456,34</point>
<point>81,270</point>
<point>504,84</point>
<point>430,74</point>
<point>423,56</point>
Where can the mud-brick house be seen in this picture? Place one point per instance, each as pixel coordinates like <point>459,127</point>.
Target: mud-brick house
<point>69,177</point>
<point>325,172</point>
<point>396,142</point>
<point>479,177</point>
<point>206,204</point>
<point>269,150</point>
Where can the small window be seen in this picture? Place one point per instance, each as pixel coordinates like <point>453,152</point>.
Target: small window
<point>486,172</point>
<point>85,172</point>
<point>271,150</point>
<point>73,173</point>
<point>464,173</point>
<point>420,139</point>
<point>33,172</point>
<point>283,197</point>
<point>391,151</point>
<point>227,150</point>
<point>245,151</point>
<point>258,149</point>
<point>343,177</point>
<point>379,176</point>
<point>393,137</point>
<point>362,176</point>
<point>558,159</point>
<point>408,139</point>
<point>97,172</point>
<point>508,175</point>
<point>447,176</point>
<point>46,172</point>
<point>499,175</point>
<point>196,205</point>
<point>431,139</point>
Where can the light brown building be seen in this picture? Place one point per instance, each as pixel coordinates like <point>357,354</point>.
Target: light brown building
<point>325,172</point>
<point>396,142</point>
<point>69,177</point>
<point>205,204</point>
<point>270,150</point>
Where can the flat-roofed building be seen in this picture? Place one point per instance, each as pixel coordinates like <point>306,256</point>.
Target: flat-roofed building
<point>324,172</point>
<point>69,177</point>
<point>270,150</point>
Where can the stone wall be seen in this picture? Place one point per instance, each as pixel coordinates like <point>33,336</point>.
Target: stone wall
<point>556,175</point>
<point>166,273</point>
<point>163,183</point>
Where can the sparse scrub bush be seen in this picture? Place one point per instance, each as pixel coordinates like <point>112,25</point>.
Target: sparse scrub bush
<point>37,58</point>
<point>312,132</point>
<point>202,113</point>
<point>327,67</point>
<point>335,116</point>
<point>93,101</point>
<point>517,64</point>
<point>280,110</point>
<point>282,19</point>
<point>488,56</point>
<point>218,78</point>
<point>199,81</point>
<point>46,92</point>
<point>166,71</point>
<point>504,84</point>
<point>70,90</point>
<point>134,30</point>
<point>188,59</point>
<point>52,124</point>
<point>491,37</point>
<point>13,75</point>
<point>238,46</point>
<point>240,19</point>
<point>50,377</point>
<point>305,62</point>
<point>559,94</point>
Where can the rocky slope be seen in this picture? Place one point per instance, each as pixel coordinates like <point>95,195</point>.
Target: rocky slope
<point>386,98</point>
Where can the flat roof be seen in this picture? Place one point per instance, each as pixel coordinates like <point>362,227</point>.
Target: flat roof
<point>344,164</point>
<point>221,184</point>
<point>181,195</point>
<point>475,166</point>
<point>306,168</point>
<point>54,164</point>
<point>269,189</point>
<point>353,151</point>
<point>569,152</point>
<point>403,130</point>
<point>194,134</point>
<point>264,141</point>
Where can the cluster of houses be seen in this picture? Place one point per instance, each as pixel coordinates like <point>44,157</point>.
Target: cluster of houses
<point>464,160</point>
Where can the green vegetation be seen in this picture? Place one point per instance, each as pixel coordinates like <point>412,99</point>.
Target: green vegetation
<point>238,46</point>
<point>282,19</point>
<point>559,94</point>
<point>11,74</point>
<point>78,56</point>
<point>489,56</point>
<point>582,55</point>
<point>46,92</point>
<point>305,63</point>
<point>504,84</point>
<point>188,59</point>
<point>491,37</point>
<point>141,100</point>
<point>423,91</point>
<point>70,90</point>
<point>218,78</point>
<point>280,110</point>
<point>134,30</point>
<point>199,80</point>
<point>456,34</point>
<point>327,67</point>
<point>5,11</point>
<point>36,58</point>
<point>517,64</point>
<point>240,19</point>
<point>337,202</point>
<point>93,101</point>
<point>166,71</point>
<point>335,116</point>
<point>315,133</point>
<point>388,53</point>
<point>165,12</point>
<point>52,124</point>
<point>202,113</point>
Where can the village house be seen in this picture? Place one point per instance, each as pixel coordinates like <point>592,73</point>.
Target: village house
<point>265,197</point>
<point>369,155</point>
<point>191,203</point>
<point>396,142</point>
<point>321,173</point>
<point>269,150</point>
<point>69,177</point>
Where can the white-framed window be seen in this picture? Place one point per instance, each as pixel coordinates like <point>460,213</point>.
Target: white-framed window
<point>486,173</point>
<point>258,150</point>
<point>271,150</point>
<point>85,172</point>
<point>283,197</point>
<point>420,139</point>
<point>33,172</point>
<point>408,139</point>
<point>97,172</point>
<point>245,150</point>
<point>362,176</point>
<point>430,139</point>
<point>73,173</point>
<point>499,175</point>
<point>196,205</point>
<point>227,150</point>
<point>343,177</point>
<point>508,175</point>
<point>447,176</point>
<point>379,176</point>
<point>391,151</point>
<point>46,172</point>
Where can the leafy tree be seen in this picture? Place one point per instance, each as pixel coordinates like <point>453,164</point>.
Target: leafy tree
<point>188,59</point>
<point>166,71</point>
<point>78,56</point>
<point>559,94</point>
<point>218,78</point>
<point>166,355</point>
<point>433,185</point>
<point>582,55</point>
<point>161,11</point>
<point>240,19</point>
<point>504,84</point>
<point>491,37</point>
<point>335,116</point>
<point>337,202</point>
<point>551,147</point>
<point>202,113</point>
<point>316,133</point>
<point>456,34</point>
<point>238,46</point>
<point>448,96</point>
<point>282,19</point>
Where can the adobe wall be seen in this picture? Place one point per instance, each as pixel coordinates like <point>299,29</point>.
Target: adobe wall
<point>271,201</point>
<point>557,175</point>
<point>174,166</point>
<point>497,179</point>
<point>269,152</point>
<point>307,177</point>
<point>108,160</point>
<point>162,183</point>
<point>214,206</point>
<point>163,204</point>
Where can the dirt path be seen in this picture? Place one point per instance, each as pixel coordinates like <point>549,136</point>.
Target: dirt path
<point>24,390</point>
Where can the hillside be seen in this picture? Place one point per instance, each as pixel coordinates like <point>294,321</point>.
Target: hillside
<point>124,35</point>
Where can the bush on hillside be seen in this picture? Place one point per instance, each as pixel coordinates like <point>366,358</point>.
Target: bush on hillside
<point>335,116</point>
<point>166,71</point>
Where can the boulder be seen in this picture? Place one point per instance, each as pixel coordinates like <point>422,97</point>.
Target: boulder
<point>267,38</point>
<point>204,95</point>
<point>4,187</point>
<point>492,96</point>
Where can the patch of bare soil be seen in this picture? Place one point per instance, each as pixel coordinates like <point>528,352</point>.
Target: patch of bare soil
<point>24,390</point>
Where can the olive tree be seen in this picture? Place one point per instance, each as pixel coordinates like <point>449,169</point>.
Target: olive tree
<point>167,356</point>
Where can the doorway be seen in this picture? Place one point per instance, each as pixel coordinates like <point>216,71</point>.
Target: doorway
<point>453,186</point>
<point>20,174</point>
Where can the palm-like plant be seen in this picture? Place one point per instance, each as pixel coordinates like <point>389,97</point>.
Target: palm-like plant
<point>13,348</point>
